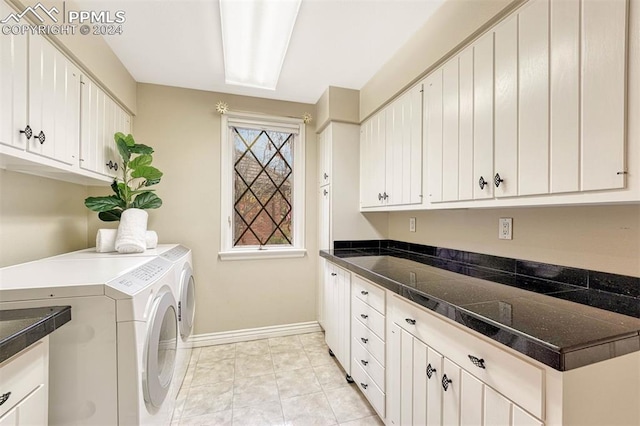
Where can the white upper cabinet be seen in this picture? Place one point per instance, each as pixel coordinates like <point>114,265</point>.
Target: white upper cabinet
<point>101,119</point>
<point>534,107</point>
<point>604,83</point>
<point>13,87</point>
<point>54,102</point>
<point>324,158</point>
<point>391,154</point>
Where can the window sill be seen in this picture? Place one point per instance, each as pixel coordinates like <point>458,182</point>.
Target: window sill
<point>254,254</point>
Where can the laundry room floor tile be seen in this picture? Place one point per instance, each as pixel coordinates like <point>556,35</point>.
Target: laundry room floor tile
<point>283,380</point>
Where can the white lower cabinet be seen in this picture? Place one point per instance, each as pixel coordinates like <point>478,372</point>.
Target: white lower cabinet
<point>337,313</point>
<point>24,386</point>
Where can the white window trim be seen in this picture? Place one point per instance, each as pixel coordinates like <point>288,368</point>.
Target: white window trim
<point>297,249</point>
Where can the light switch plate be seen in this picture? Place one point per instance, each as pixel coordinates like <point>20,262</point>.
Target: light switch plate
<point>412,224</point>
<point>505,228</point>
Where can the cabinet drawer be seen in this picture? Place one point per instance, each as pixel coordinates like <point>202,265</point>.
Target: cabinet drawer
<point>372,343</point>
<point>368,387</point>
<point>22,374</point>
<point>373,319</point>
<point>368,363</point>
<point>510,375</point>
<point>369,293</point>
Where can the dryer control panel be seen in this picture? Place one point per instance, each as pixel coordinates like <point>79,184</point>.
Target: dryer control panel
<point>141,277</point>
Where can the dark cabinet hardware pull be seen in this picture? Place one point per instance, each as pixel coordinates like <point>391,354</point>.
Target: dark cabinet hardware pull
<point>430,370</point>
<point>326,176</point>
<point>28,133</point>
<point>364,385</point>
<point>497,180</point>
<point>410,321</point>
<point>445,382</point>
<point>364,293</point>
<point>4,397</point>
<point>333,274</point>
<point>482,182</point>
<point>364,340</point>
<point>385,196</point>
<point>379,196</point>
<point>618,173</point>
<point>109,164</point>
<point>41,137</point>
<point>325,192</point>
<point>364,362</point>
<point>364,316</point>
<point>115,166</point>
<point>478,362</point>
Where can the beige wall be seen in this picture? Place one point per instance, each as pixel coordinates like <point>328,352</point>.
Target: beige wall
<point>39,217</point>
<point>603,238</point>
<point>453,24</point>
<point>338,104</point>
<point>95,55</point>
<point>184,129</point>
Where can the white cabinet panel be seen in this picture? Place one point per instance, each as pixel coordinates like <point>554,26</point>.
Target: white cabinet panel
<point>533,56</point>
<point>471,398</point>
<point>324,237</point>
<point>450,130</point>
<point>394,152</point>
<point>393,367</point>
<point>483,116</point>
<point>406,379</point>
<point>506,107</point>
<point>433,131</point>
<point>419,396</point>
<point>54,102</point>
<point>414,127</point>
<point>435,364</point>
<point>522,418</point>
<point>564,135</point>
<point>372,161</point>
<point>465,150</point>
<point>450,394</point>
<point>497,409</point>
<point>324,157</point>
<point>337,293</point>
<point>604,27</point>
<point>13,86</point>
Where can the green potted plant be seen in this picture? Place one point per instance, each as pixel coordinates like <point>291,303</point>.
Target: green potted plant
<point>132,189</point>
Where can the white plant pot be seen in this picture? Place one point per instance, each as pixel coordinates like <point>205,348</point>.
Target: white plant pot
<point>132,231</point>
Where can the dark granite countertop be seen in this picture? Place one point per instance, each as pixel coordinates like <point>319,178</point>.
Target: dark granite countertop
<point>20,328</point>
<point>560,325</point>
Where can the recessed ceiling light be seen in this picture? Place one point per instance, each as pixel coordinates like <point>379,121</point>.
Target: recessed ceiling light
<point>255,38</point>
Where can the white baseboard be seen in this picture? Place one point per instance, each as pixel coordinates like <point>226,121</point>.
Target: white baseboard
<point>234,336</point>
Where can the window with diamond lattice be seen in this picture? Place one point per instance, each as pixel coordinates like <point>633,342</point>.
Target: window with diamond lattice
<point>262,187</point>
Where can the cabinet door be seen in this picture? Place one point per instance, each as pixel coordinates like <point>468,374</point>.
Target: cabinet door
<point>324,156</point>
<point>471,400</point>
<point>450,394</point>
<point>13,86</point>
<point>522,418</point>
<point>54,102</point>
<point>393,366</point>
<point>433,133</point>
<point>533,119</point>
<point>372,161</point>
<point>465,143</point>
<point>604,53</point>
<point>564,136</point>
<point>506,108</point>
<point>435,364</point>
<point>101,119</point>
<point>324,232</point>
<point>331,307</point>
<point>419,397</point>
<point>483,117</point>
<point>394,152</point>
<point>30,411</point>
<point>406,379</point>
<point>450,130</point>
<point>343,315</point>
<point>497,408</point>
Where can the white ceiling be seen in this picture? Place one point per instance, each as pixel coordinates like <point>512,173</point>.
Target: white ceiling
<point>339,43</point>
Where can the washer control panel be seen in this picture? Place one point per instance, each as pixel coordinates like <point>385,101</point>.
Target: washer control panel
<point>175,253</point>
<point>142,276</point>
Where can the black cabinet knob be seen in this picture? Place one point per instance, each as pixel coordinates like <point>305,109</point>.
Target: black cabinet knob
<point>385,196</point>
<point>364,385</point>
<point>478,362</point>
<point>4,397</point>
<point>379,196</point>
<point>364,340</point>
<point>364,293</point>
<point>41,137</point>
<point>28,133</point>
<point>326,176</point>
<point>482,183</point>
<point>333,274</point>
<point>115,166</point>
<point>325,192</point>
<point>445,382</point>
<point>109,164</point>
<point>410,321</point>
<point>430,370</point>
<point>364,316</point>
<point>497,180</point>
<point>364,362</point>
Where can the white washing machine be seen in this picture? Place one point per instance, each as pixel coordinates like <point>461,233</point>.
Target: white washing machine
<point>183,288</point>
<point>114,362</point>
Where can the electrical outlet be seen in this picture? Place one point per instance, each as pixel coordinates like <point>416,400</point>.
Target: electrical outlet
<point>505,228</point>
<point>412,224</point>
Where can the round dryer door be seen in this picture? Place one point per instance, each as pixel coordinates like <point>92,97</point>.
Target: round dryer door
<point>160,348</point>
<point>187,302</point>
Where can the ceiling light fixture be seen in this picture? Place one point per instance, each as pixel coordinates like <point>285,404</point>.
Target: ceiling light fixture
<point>255,38</point>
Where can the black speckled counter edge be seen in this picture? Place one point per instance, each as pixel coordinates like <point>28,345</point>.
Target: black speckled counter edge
<point>41,326</point>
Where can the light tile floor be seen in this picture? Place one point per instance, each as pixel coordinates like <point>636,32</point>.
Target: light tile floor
<point>288,380</point>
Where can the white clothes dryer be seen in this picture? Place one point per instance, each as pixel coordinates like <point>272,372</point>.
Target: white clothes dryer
<point>113,363</point>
